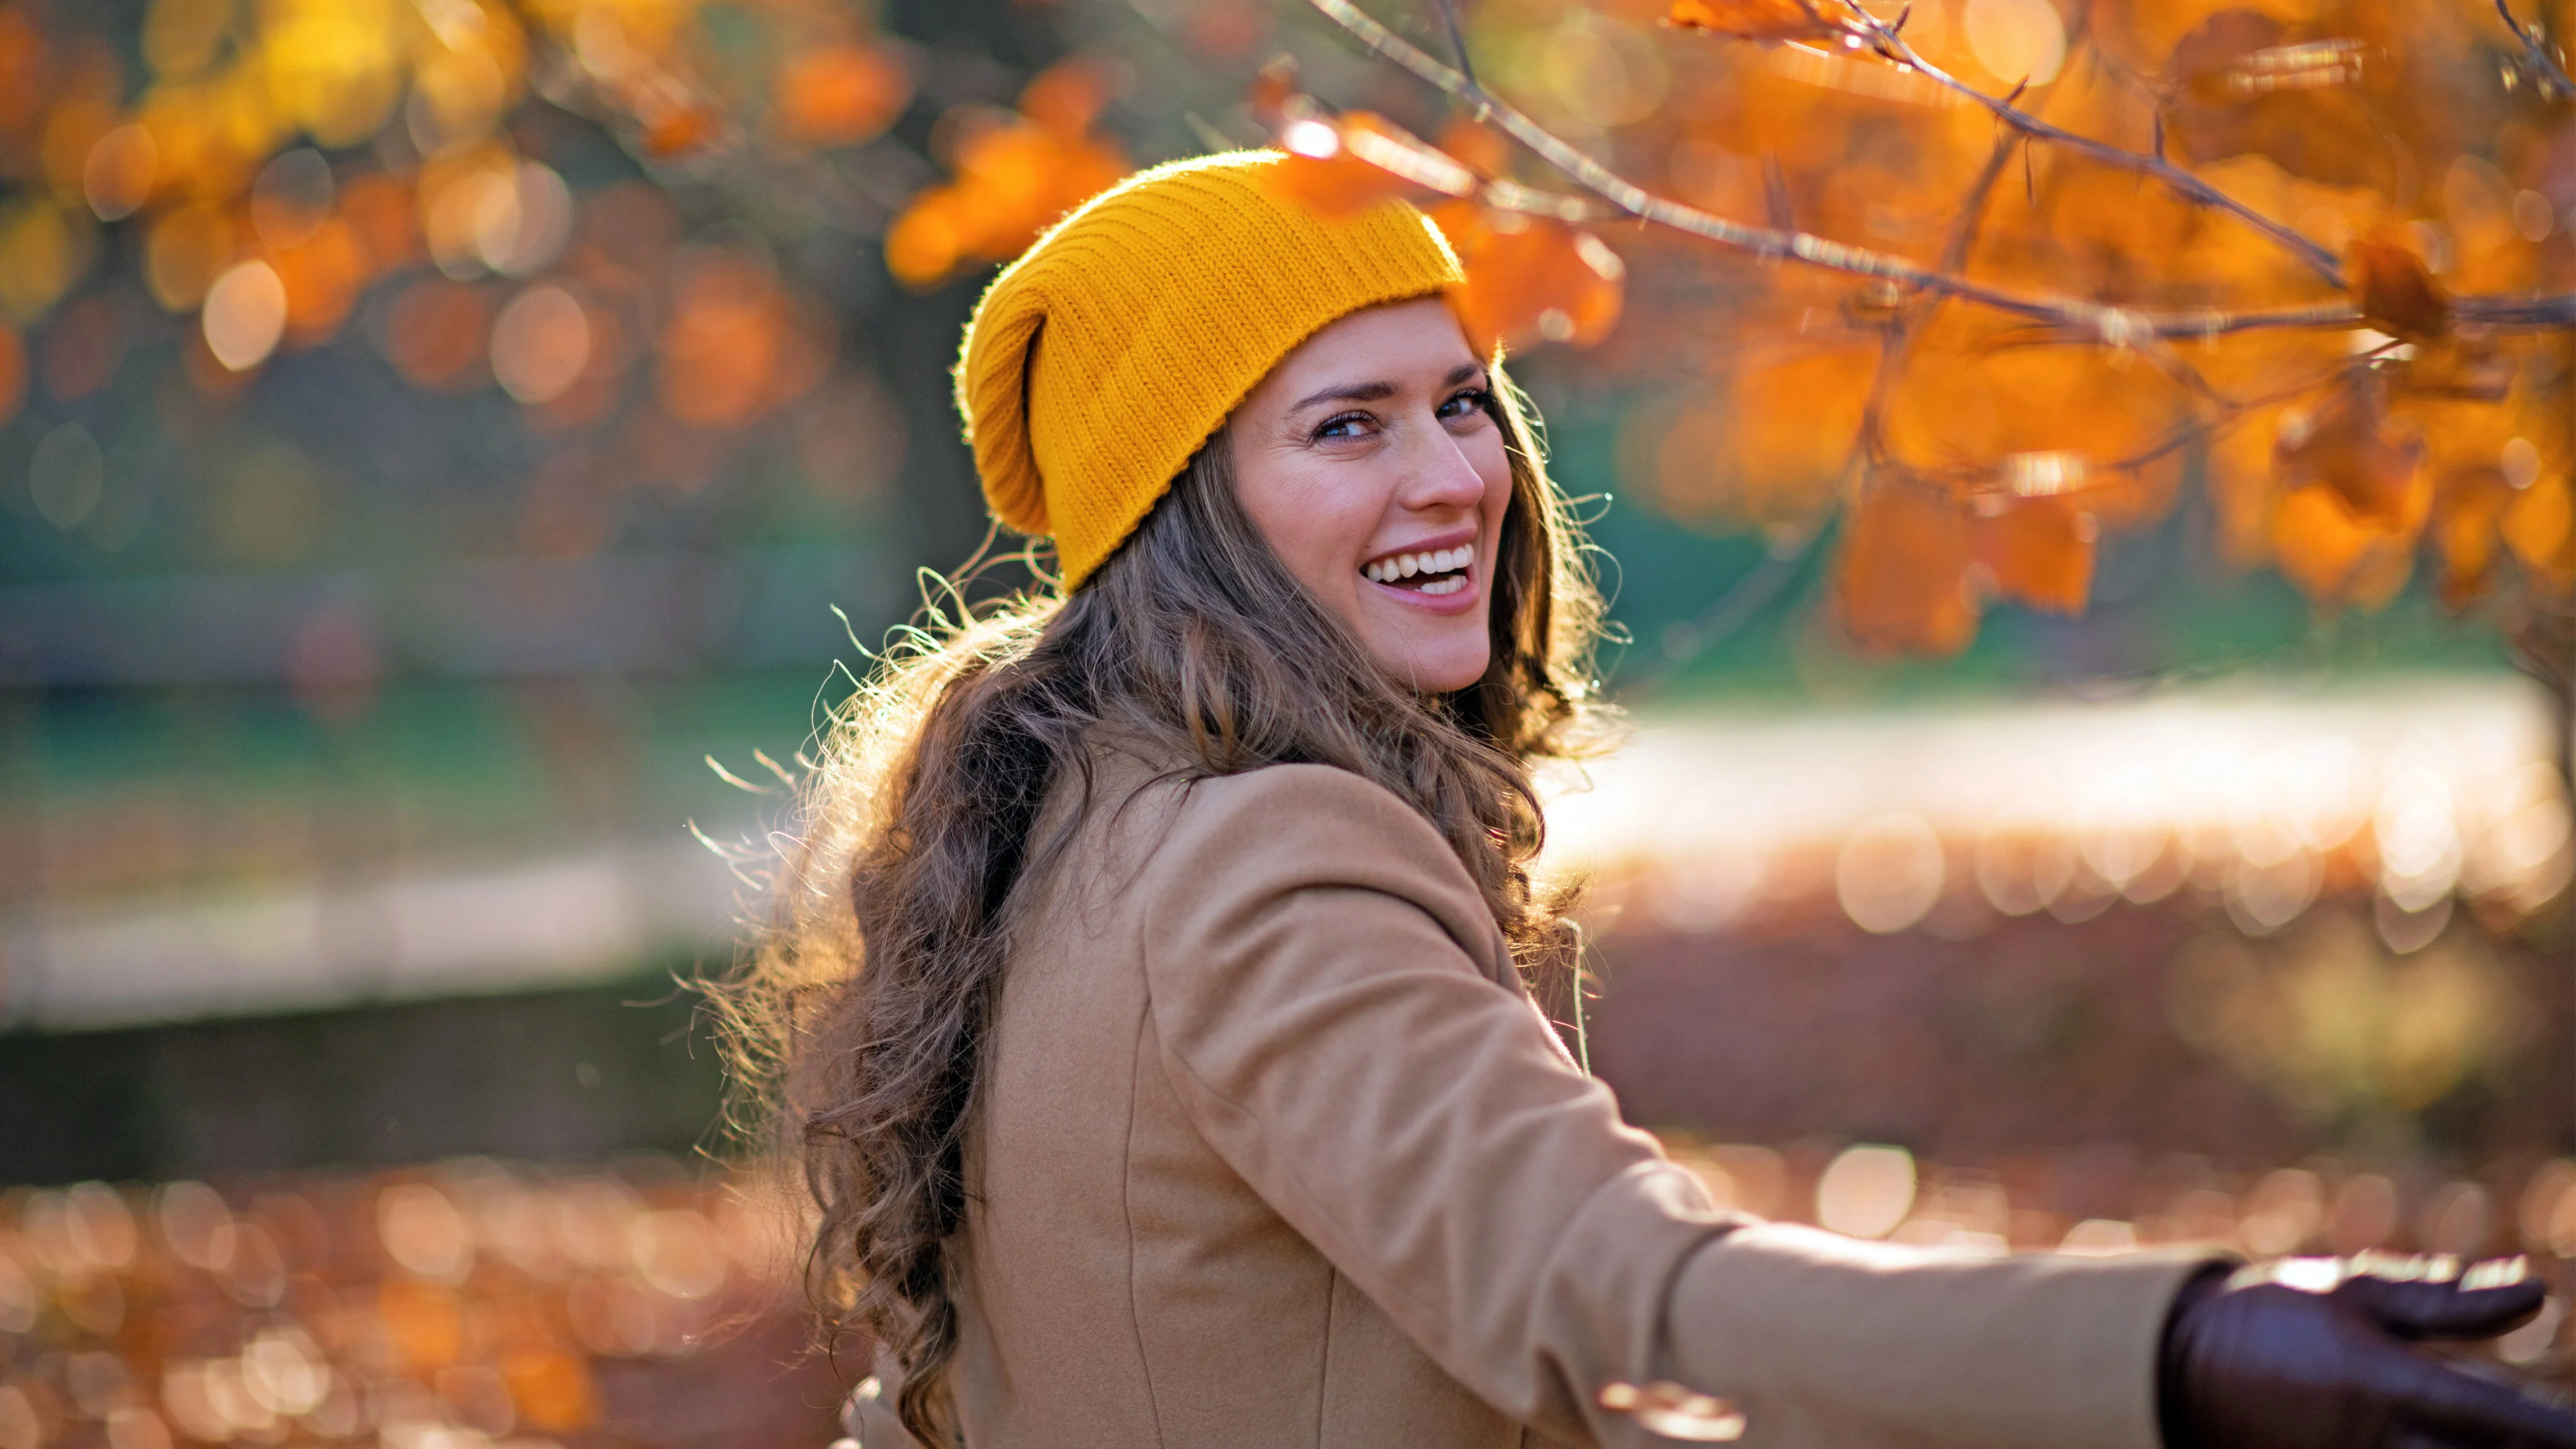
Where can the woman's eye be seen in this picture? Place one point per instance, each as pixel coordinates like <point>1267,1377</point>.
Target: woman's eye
<point>1473,400</point>
<point>1348,425</point>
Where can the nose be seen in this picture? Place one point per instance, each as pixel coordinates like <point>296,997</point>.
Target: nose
<point>1439,475</point>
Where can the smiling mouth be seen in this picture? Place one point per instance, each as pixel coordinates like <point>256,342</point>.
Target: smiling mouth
<point>1429,571</point>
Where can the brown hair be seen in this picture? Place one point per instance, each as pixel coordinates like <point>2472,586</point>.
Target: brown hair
<point>861,1015</point>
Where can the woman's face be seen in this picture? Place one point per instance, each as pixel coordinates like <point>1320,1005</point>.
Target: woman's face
<point>1368,461</point>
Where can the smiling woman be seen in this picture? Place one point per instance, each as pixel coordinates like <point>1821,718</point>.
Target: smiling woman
<point>1371,461</point>
<point>1150,987</point>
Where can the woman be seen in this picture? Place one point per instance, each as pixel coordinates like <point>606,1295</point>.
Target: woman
<point>1151,975</point>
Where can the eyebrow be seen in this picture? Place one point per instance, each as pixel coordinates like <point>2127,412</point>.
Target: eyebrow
<point>1374,391</point>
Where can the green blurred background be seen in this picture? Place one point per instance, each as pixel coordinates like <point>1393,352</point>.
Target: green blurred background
<point>353,730</point>
<point>451,450</point>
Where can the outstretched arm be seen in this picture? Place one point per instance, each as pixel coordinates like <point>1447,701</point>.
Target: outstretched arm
<point>1324,983</point>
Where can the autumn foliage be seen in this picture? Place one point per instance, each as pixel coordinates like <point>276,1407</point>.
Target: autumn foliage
<point>1954,291</point>
<point>261,170</point>
<point>1984,280</point>
<point>1014,173</point>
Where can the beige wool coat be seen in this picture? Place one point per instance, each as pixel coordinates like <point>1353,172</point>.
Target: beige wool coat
<point>1274,1151</point>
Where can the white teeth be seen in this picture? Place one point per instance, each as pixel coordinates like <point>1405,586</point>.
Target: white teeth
<point>1437,561</point>
<point>1449,585</point>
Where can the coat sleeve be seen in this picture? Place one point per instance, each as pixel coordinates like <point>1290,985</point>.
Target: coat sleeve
<point>1312,955</point>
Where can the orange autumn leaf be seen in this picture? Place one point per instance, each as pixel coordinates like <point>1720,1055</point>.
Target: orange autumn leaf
<point>1902,580</point>
<point>2347,443</point>
<point>1479,148</point>
<point>1066,97</point>
<point>1325,177</point>
<point>1773,451</point>
<point>1531,278</point>
<point>2039,552</point>
<point>2336,556</point>
<point>1274,93</point>
<point>2466,512</point>
<point>1014,178</point>
<point>1353,162</point>
<point>841,95</point>
<point>1974,396</point>
<point>2492,420</point>
<point>2243,486</point>
<point>2242,83</point>
<point>675,124</point>
<point>2455,369</point>
<point>1765,20</point>
<point>929,241</point>
<point>2393,290</point>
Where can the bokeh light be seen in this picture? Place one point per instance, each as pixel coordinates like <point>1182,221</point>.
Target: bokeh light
<point>245,315</point>
<point>66,476</point>
<point>2015,40</point>
<point>436,333</point>
<point>292,197</point>
<point>840,95</point>
<point>1889,872</point>
<point>1866,1191</point>
<point>540,344</point>
<point>460,1306</point>
<point>119,174</point>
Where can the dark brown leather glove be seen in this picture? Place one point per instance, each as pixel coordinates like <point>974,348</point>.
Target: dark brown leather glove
<point>2331,1364</point>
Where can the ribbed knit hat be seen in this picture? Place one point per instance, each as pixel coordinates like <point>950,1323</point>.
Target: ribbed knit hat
<point>1100,360</point>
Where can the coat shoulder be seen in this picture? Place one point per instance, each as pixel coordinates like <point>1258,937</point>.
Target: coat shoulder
<point>1236,843</point>
<point>1302,803</point>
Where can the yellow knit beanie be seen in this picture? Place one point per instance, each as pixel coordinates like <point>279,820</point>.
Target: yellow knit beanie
<point>1100,360</point>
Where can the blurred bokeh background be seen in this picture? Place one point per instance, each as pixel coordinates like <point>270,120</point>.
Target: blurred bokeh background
<point>452,452</point>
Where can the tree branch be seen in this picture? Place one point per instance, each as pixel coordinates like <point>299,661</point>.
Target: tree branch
<point>2545,69</point>
<point>1458,48</point>
<point>1894,48</point>
<point>2074,317</point>
<point>1632,200</point>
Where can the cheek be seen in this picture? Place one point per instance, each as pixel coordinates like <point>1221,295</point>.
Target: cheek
<point>1316,520</point>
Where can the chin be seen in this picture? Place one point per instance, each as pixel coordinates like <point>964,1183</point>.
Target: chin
<point>1439,671</point>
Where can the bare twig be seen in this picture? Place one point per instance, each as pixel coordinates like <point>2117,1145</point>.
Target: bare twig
<point>2545,69</point>
<point>1896,50</point>
<point>1458,48</point>
<point>2075,318</point>
<point>1900,330</point>
<point>2231,413</point>
<point>1626,197</point>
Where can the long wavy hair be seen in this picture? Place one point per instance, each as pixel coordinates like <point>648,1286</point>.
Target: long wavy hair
<point>858,1023</point>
